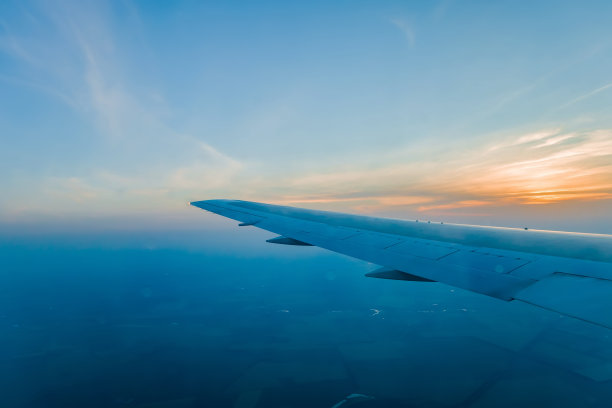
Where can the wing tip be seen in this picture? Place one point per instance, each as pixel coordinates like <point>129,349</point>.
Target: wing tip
<point>201,203</point>
<point>198,204</point>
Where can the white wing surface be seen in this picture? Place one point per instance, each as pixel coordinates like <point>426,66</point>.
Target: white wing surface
<point>570,273</point>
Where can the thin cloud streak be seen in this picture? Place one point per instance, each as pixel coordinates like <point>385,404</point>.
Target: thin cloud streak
<point>586,96</point>
<point>406,28</point>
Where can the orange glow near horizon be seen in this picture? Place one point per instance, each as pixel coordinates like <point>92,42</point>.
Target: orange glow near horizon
<point>543,168</point>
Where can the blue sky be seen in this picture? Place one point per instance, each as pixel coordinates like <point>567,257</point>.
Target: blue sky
<point>487,112</point>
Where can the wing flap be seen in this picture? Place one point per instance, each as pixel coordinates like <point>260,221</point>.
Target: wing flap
<point>373,239</point>
<point>580,297</point>
<point>488,262</point>
<point>422,248</point>
<point>547,265</point>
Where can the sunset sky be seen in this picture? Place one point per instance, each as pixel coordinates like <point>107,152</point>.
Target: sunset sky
<point>462,110</point>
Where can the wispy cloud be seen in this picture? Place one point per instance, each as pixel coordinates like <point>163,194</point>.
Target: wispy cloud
<point>540,135</point>
<point>406,28</point>
<point>158,165</point>
<point>454,205</point>
<point>541,167</point>
<point>586,95</point>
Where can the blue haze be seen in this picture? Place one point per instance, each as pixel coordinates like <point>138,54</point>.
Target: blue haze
<point>203,319</point>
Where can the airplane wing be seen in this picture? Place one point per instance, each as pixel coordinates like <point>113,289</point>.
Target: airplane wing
<point>569,273</point>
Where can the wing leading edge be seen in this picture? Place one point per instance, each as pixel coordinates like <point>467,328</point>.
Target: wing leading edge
<point>570,273</point>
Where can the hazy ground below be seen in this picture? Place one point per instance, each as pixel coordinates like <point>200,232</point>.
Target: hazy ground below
<point>194,319</point>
